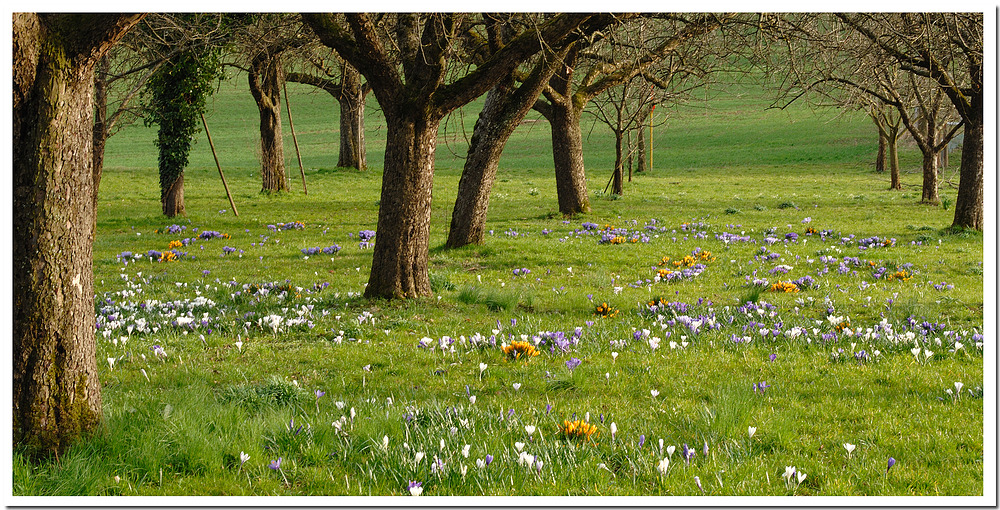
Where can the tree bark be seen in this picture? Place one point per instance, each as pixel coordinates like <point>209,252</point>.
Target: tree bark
<point>969,202</point>
<point>172,198</point>
<point>567,156</point>
<point>880,157</point>
<point>399,261</point>
<point>641,149</point>
<point>489,136</point>
<point>929,192</point>
<point>893,155</point>
<point>100,132</point>
<point>265,78</point>
<point>352,120</point>
<point>618,186</point>
<point>56,389</point>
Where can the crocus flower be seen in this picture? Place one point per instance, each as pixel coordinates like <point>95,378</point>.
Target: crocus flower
<point>319,394</point>
<point>697,482</point>
<point>244,457</point>
<point>415,488</point>
<point>642,440</point>
<point>489,458</point>
<point>275,464</point>
<point>572,363</point>
<point>663,465</point>
<point>752,431</point>
<point>614,430</point>
<point>892,462</point>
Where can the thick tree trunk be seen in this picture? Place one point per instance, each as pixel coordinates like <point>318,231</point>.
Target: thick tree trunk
<point>399,261</point>
<point>56,390</point>
<point>489,136</point>
<point>929,194</point>
<point>100,132</point>
<point>265,78</point>
<point>969,203</point>
<point>567,155</point>
<point>172,198</point>
<point>618,185</point>
<point>352,120</point>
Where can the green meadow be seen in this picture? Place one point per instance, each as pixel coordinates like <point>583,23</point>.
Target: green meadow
<point>260,370</point>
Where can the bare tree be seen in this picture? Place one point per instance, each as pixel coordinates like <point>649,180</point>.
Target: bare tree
<point>505,107</point>
<point>406,58</point>
<point>946,48</point>
<point>565,98</point>
<point>326,71</point>
<point>56,389</point>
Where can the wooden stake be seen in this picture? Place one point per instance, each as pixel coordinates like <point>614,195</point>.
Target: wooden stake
<point>216,156</point>
<point>295,141</point>
<point>650,149</point>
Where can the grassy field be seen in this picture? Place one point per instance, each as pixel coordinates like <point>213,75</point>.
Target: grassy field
<point>247,367</point>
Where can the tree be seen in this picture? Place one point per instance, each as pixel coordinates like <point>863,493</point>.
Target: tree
<point>176,97</point>
<point>505,107</point>
<point>565,98</point>
<point>122,73</point>
<point>888,124</point>
<point>265,40</point>
<point>178,94</point>
<point>948,49</point>
<point>405,58</point>
<point>344,83</point>
<point>56,390</point>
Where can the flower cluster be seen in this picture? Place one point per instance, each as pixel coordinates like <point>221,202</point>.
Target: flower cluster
<point>577,430</point>
<point>787,287</point>
<point>366,237</point>
<point>294,225</point>
<point>329,250</point>
<point>518,349</point>
<point>605,310</point>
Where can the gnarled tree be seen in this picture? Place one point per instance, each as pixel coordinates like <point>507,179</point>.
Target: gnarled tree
<point>406,58</point>
<point>56,391</point>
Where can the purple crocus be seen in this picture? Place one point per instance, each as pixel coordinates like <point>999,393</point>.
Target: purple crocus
<point>275,464</point>
<point>892,462</point>
<point>773,357</point>
<point>573,363</point>
<point>642,440</point>
<point>686,453</point>
<point>705,449</point>
<point>319,394</point>
<point>489,458</point>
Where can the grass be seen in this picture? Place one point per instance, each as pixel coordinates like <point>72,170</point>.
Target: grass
<point>264,328</point>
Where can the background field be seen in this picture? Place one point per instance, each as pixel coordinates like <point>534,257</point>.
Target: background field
<point>177,424</point>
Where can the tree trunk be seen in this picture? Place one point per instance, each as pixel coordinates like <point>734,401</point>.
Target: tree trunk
<point>100,132</point>
<point>893,155</point>
<point>880,158</point>
<point>929,194</point>
<point>969,202</point>
<point>399,261</point>
<point>56,392</point>
<point>489,136</point>
<point>567,155</point>
<point>618,186</point>
<point>265,85</point>
<point>172,198</point>
<point>352,120</point>
<point>641,149</point>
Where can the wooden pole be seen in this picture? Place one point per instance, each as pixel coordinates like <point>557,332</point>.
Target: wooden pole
<point>288,108</point>
<point>216,156</point>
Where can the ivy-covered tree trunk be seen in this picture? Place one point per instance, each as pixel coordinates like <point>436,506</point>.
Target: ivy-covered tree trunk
<point>352,120</point>
<point>56,390</point>
<point>265,77</point>
<point>179,91</point>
